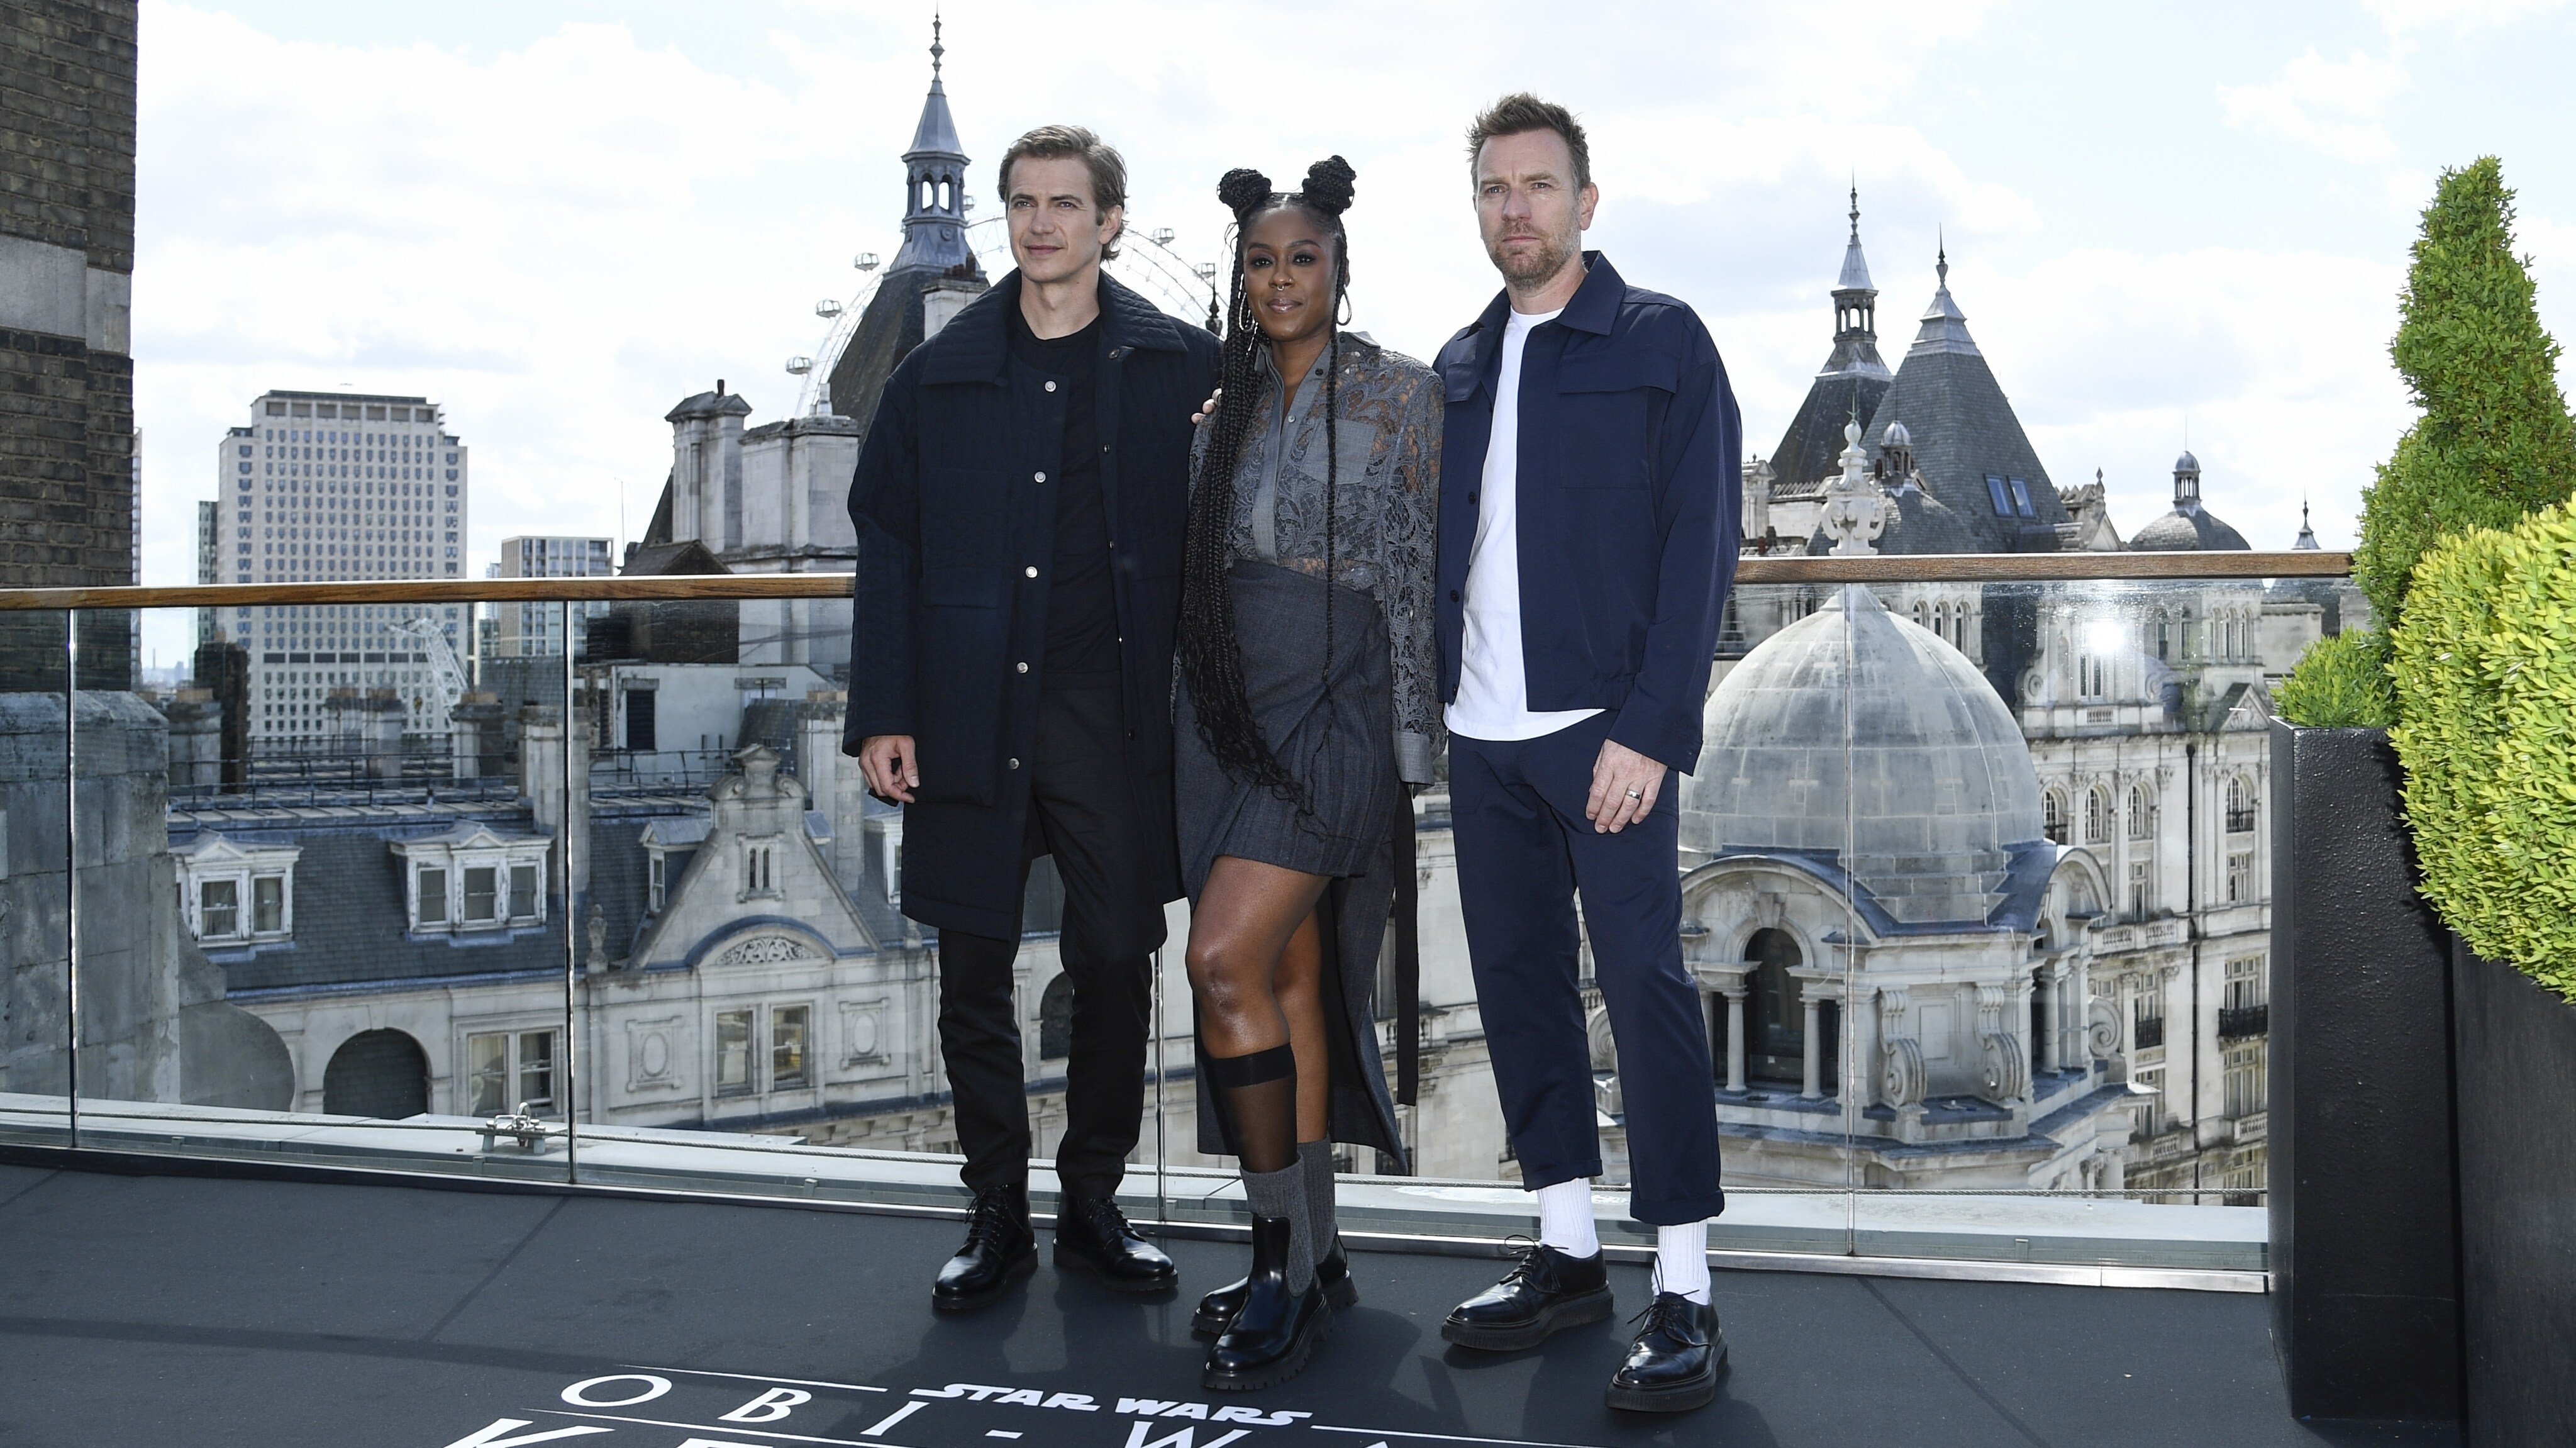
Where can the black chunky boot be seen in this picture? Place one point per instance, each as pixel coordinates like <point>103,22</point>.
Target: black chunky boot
<point>1275,1331</point>
<point>1332,1273</point>
<point>999,1250</point>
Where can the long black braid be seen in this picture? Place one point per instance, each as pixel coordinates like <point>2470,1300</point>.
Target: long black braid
<point>1211,654</point>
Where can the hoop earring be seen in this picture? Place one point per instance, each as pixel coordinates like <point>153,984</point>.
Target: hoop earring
<point>1342,310</point>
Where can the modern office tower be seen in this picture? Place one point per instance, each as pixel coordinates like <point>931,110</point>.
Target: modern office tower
<point>325,486</point>
<point>524,630</point>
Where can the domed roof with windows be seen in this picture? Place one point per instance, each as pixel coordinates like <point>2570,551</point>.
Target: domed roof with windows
<point>2189,527</point>
<point>1943,814</point>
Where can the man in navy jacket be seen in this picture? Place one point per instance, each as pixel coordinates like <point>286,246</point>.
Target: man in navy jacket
<point>1589,517</point>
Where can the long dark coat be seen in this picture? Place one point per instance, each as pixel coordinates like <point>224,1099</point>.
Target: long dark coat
<point>953,505</point>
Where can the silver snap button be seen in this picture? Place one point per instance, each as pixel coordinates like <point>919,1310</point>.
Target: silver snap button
<point>1032,573</point>
<point>1024,666</point>
<point>1050,387</point>
<point>1015,764</point>
<point>1041,477</point>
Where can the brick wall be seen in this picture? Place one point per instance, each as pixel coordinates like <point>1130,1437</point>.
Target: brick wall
<point>67,77</point>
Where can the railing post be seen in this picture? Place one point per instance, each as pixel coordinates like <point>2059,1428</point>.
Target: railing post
<point>71,875</point>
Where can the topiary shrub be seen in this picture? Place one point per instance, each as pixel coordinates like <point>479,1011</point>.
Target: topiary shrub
<point>2341,683</point>
<point>2484,665</point>
<point>2494,438</point>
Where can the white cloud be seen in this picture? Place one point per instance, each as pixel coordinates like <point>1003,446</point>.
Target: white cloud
<point>2333,106</point>
<point>2405,16</point>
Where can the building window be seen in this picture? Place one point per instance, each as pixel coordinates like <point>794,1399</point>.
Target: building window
<point>757,872</point>
<point>2147,1020</point>
<point>2240,876</point>
<point>510,1069</point>
<point>2142,813</point>
<point>1055,1017</point>
<point>482,889</point>
<point>2149,1113</point>
<point>2097,816</point>
<point>218,910</point>
<point>2093,677</point>
<point>523,892</point>
<point>789,1028</point>
<point>2240,807</point>
<point>656,870</point>
<point>733,1053</point>
<point>2243,1084</point>
<point>268,904</point>
<point>433,897</point>
<point>2141,890</point>
<point>2052,809</point>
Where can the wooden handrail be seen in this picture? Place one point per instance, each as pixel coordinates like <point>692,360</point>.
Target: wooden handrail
<point>1799,569</point>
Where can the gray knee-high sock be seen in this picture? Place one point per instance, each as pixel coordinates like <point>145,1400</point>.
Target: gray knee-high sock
<point>1315,1158</point>
<point>1283,1194</point>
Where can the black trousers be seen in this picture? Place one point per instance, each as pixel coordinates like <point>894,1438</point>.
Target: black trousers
<point>1082,810</point>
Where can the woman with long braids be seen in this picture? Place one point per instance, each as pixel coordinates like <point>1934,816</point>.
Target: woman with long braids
<point>1307,703</point>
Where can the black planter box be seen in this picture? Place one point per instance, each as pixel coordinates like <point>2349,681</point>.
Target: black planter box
<point>2515,1045</point>
<point>2364,1224</point>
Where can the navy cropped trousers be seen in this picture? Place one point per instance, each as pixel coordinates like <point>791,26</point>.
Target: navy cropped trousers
<point>1524,852</point>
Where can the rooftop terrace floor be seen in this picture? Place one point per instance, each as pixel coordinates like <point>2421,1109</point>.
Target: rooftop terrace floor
<point>208,1310</point>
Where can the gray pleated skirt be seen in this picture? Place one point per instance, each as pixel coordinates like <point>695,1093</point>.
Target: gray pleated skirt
<point>1339,743</point>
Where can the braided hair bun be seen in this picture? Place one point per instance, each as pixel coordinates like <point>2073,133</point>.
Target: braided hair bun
<point>1243,190</point>
<point>1328,186</point>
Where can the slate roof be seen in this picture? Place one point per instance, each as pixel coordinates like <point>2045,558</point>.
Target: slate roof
<point>1811,450</point>
<point>1964,430</point>
<point>1922,523</point>
<point>350,921</point>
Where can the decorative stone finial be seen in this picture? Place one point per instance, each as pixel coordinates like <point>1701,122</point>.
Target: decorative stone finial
<point>1856,507</point>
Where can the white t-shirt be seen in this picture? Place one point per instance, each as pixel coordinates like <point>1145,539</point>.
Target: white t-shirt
<point>1493,680</point>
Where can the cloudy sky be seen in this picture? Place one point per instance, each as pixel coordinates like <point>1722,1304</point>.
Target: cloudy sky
<point>557,220</point>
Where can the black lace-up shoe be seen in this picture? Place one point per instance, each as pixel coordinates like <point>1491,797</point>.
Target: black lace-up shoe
<point>1332,1273</point>
<point>1673,1364</point>
<point>1270,1339</point>
<point>1544,1292</point>
<point>1091,1232</point>
<point>1000,1249</point>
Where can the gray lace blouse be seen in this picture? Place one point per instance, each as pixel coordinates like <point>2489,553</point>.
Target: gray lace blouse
<point>1389,491</point>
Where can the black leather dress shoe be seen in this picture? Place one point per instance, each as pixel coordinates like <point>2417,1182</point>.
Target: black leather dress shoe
<point>1674,1363</point>
<point>999,1250</point>
<point>1332,1273</point>
<point>1090,1232</point>
<point>1276,1330</point>
<point>1543,1293</point>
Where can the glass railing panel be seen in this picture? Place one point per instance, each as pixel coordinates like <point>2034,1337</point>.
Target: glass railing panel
<point>754,1010</point>
<point>2066,1062</point>
<point>36,1004</point>
<point>328,876</point>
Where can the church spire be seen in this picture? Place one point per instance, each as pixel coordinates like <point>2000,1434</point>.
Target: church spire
<point>934,209</point>
<point>1855,311</point>
<point>2307,536</point>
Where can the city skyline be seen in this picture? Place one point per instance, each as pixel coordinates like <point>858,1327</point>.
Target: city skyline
<point>2221,273</point>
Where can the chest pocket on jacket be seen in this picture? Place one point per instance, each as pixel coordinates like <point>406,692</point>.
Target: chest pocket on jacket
<point>1610,407</point>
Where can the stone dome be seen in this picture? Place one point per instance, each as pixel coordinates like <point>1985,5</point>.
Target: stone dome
<point>1897,435</point>
<point>1939,780</point>
<point>2187,463</point>
<point>2186,530</point>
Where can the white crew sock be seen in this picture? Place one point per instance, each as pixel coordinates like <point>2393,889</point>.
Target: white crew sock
<point>1681,1260</point>
<point>1565,1218</point>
